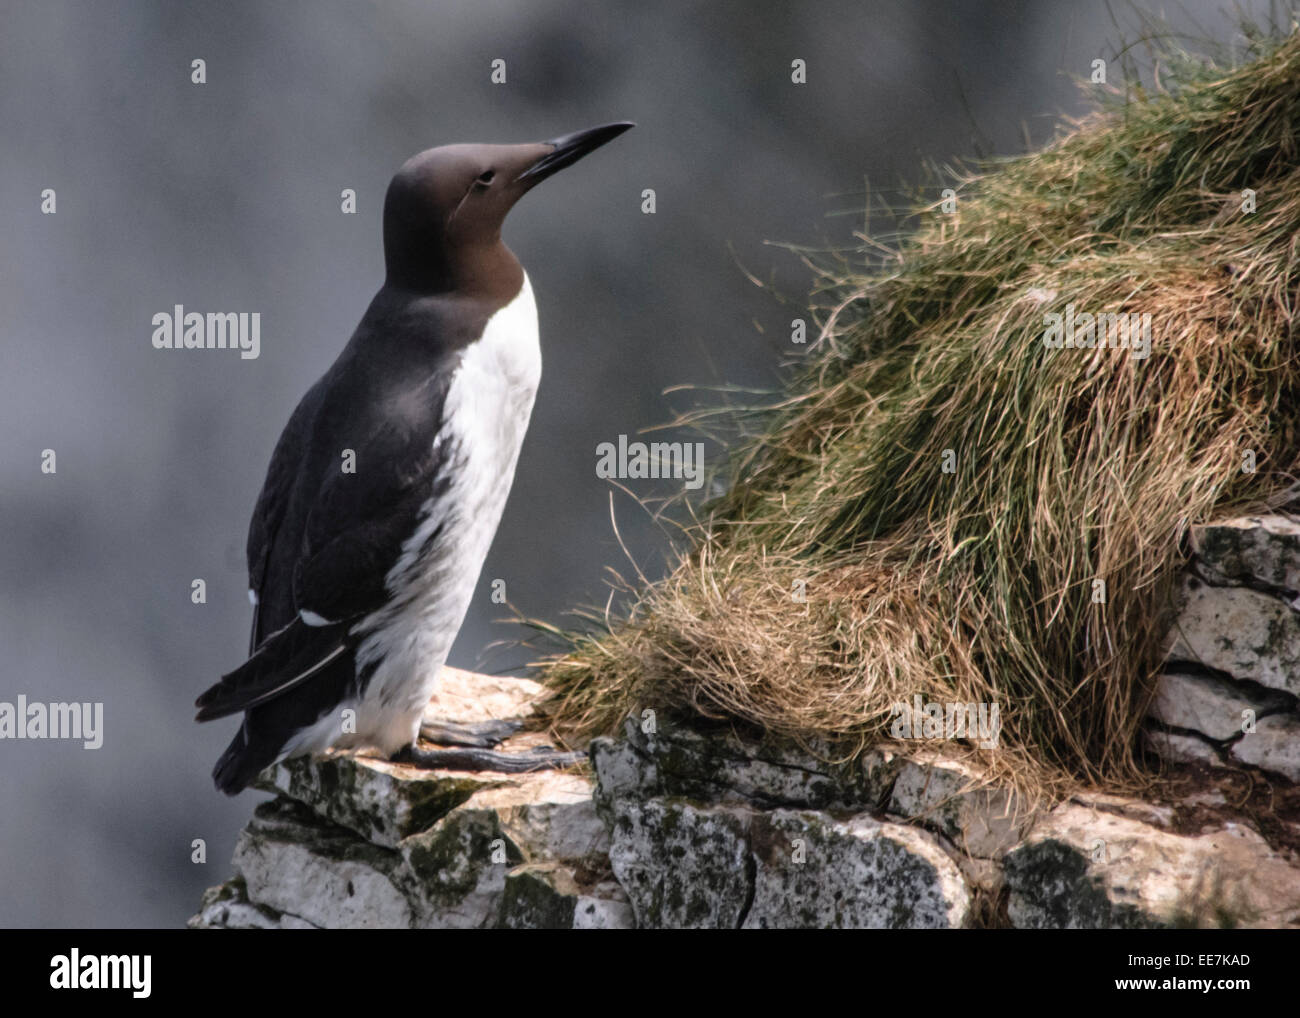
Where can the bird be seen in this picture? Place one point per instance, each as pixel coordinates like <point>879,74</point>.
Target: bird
<point>386,487</point>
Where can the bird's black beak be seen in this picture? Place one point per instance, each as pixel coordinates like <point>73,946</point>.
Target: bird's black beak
<point>570,148</point>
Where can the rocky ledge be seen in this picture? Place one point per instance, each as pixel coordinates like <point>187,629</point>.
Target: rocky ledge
<point>350,841</point>
<point>681,823</point>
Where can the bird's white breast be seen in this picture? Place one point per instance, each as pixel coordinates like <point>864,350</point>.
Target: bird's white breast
<point>488,404</point>
<point>491,396</point>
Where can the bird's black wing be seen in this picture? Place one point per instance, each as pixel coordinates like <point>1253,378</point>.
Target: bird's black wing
<point>355,532</point>
<point>285,660</point>
<point>360,522</point>
<point>273,502</point>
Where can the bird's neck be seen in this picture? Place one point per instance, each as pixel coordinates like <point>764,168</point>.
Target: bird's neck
<point>487,271</point>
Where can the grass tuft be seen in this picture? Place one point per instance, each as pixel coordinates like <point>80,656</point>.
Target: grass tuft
<point>1070,466</point>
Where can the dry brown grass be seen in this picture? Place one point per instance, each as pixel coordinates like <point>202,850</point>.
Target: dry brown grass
<point>1071,466</point>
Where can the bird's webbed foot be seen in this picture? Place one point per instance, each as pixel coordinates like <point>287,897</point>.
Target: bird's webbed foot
<point>475,759</point>
<point>477,734</point>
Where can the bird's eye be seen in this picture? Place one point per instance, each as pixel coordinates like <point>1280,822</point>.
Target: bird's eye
<point>485,178</point>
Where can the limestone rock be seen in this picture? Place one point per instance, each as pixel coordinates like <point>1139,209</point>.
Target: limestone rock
<point>682,867</point>
<point>1204,704</point>
<point>353,841</point>
<point>452,876</point>
<point>1150,813</point>
<point>1265,548</point>
<point>460,866</point>
<point>605,908</point>
<point>455,872</point>
<point>703,825</point>
<point>1273,746</point>
<point>1248,634</point>
<point>1084,869</point>
<point>471,696</point>
<point>689,866</point>
<point>385,802</point>
<point>814,873</point>
<point>546,896</point>
<point>945,795</point>
<point>381,801</point>
<point>1177,747</point>
<point>226,907</point>
<point>716,764</point>
<point>293,862</point>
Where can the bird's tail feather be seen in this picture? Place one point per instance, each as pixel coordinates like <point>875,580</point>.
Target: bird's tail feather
<point>242,762</point>
<point>285,661</point>
<point>279,702</point>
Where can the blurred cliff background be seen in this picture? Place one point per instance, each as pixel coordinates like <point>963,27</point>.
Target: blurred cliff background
<point>225,196</point>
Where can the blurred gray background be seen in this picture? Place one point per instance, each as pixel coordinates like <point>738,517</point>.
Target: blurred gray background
<point>225,197</point>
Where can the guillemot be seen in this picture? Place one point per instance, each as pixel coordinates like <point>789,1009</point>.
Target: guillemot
<point>387,485</point>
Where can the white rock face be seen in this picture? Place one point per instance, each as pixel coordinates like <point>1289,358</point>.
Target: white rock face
<point>945,794</point>
<point>227,907</point>
<point>1179,748</point>
<point>1273,746</point>
<point>1246,633</point>
<point>1082,868</point>
<point>683,867</point>
<point>323,876</point>
<point>718,765</point>
<point>545,896</point>
<point>1264,548</point>
<point>353,842</point>
<point>1239,617</point>
<point>860,873</point>
<point>726,866</point>
<point>732,854</point>
<point>1202,703</point>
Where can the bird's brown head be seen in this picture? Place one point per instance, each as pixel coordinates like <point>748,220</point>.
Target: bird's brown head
<point>444,208</point>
